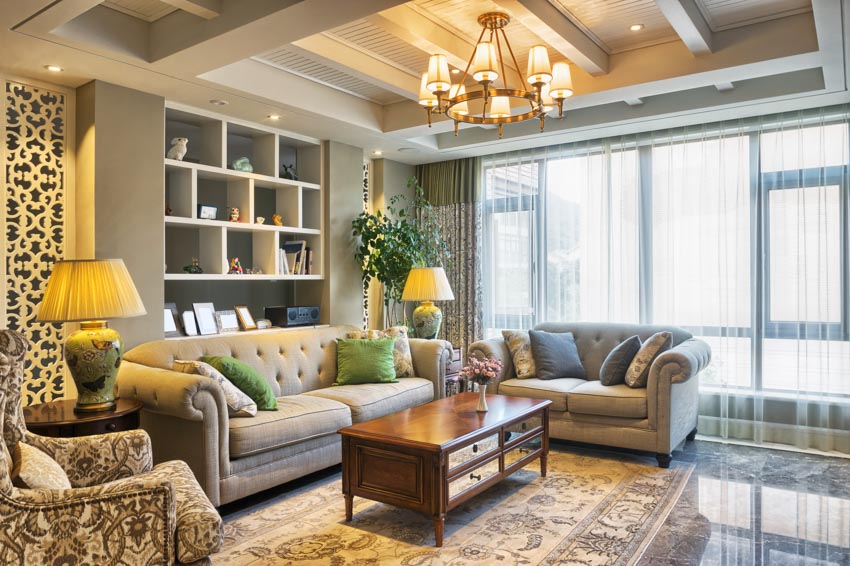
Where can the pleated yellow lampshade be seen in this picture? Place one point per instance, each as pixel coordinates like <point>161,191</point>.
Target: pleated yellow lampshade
<point>90,289</point>
<point>427,284</point>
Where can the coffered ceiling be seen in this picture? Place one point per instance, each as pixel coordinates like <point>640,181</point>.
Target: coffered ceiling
<point>350,71</point>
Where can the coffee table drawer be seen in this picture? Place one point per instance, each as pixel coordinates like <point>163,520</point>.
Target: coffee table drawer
<point>474,450</point>
<point>516,454</point>
<point>473,478</point>
<point>517,429</point>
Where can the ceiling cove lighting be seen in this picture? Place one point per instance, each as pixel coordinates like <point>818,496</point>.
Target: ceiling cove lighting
<point>515,98</point>
<point>635,27</point>
<point>54,68</point>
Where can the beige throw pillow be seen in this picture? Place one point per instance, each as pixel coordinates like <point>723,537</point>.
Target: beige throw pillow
<point>36,470</point>
<point>638,373</point>
<point>238,404</point>
<point>402,358</point>
<point>519,345</point>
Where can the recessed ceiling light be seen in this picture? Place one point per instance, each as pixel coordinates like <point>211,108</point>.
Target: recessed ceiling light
<point>54,68</point>
<point>455,71</point>
<point>273,116</point>
<point>635,27</point>
<point>377,152</point>
<point>218,102</point>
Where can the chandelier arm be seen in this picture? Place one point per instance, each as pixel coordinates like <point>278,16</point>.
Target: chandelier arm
<point>502,59</point>
<point>522,83</point>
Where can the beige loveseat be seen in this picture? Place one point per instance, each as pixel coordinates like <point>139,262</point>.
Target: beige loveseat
<point>656,418</point>
<point>187,418</point>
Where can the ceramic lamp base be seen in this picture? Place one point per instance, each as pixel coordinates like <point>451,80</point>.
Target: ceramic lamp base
<point>427,319</point>
<point>93,355</point>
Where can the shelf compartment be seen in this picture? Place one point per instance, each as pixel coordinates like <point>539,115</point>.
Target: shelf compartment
<point>205,135</point>
<point>225,192</point>
<point>180,191</point>
<point>187,241</point>
<point>314,242</point>
<point>260,147</point>
<point>311,209</point>
<point>284,200</point>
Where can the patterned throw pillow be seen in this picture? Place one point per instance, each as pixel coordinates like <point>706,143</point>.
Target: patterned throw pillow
<point>238,404</point>
<point>519,344</point>
<point>36,470</point>
<point>638,373</point>
<point>402,358</point>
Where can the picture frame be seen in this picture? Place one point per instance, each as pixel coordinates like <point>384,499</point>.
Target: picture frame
<point>207,212</point>
<point>246,321</point>
<point>172,329</point>
<point>189,326</point>
<point>226,321</point>
<point>205,316</point>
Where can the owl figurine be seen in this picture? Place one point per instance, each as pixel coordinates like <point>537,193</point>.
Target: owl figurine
<point>178,148</point>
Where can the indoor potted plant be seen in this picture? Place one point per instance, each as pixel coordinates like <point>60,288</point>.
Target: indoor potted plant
<point>392,242</point>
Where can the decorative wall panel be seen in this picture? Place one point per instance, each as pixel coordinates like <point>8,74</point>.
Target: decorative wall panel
<point>366,201</point>
<point>35,215</point>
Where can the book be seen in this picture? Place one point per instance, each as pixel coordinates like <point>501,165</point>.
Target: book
<point>308,261</point>
<point>284,266</point>
<point>294,251</point>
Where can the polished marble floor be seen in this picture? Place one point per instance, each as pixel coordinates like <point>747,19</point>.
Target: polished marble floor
<point>755,506</point>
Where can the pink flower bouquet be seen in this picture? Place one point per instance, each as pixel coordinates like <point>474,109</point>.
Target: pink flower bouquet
<point>482,371</point>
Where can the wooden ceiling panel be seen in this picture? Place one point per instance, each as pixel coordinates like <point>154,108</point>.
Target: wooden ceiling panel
<point>377,43</point>
<point>727,14</point>
<point>147,10</point>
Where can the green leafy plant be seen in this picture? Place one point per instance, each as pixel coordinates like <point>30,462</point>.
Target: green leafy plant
<point>392,242</point>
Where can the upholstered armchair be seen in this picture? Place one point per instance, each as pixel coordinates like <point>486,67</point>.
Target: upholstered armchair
<point>120,510</point>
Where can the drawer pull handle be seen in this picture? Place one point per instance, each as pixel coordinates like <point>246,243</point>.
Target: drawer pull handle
<point>111,427</point>
<point>524,426</point>
<point>524,450</point>
<point>475,449</point>
<point>474,477</point>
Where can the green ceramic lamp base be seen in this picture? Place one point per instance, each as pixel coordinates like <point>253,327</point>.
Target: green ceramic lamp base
<point>427,319</point>
<point>93,355</point>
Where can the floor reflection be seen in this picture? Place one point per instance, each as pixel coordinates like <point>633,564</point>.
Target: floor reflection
<point>753,506</point>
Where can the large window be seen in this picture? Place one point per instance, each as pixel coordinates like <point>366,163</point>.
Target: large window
<point>739,234</point>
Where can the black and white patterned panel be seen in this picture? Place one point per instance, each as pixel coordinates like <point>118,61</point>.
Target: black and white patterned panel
<point>366,181</point>
<point>35,214</point>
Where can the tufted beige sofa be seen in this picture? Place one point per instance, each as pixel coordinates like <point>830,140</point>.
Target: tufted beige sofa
<point>187,418</point>
<point>656,418</point>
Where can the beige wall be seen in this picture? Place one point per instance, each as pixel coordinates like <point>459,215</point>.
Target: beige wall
<point>120,192</point>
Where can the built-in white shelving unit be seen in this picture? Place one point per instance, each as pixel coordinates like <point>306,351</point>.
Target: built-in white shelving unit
<point>205,177</point>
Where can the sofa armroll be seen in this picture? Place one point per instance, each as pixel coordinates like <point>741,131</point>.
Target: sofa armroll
<point>430,360</point>
<point>683,362</point>
<point>498,349</point>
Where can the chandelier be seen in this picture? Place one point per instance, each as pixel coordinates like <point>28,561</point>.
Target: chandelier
<point>533,96</point>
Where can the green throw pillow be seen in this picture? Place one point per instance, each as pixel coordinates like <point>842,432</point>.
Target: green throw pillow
<point>246,379</point>
<point>365,361</point>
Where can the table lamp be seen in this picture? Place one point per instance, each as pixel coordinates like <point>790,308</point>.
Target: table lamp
<point>89,292</point>
<point>427,284</point>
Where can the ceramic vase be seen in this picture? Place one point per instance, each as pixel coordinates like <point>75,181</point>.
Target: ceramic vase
<point>482,399</point>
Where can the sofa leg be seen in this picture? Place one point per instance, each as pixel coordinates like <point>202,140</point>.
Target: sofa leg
<point>664,460</point>
<point>691,435</point>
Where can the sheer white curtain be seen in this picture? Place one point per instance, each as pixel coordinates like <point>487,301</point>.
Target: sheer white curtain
<point>736,231</point>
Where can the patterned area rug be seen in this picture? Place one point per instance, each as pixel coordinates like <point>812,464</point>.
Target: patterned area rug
<point>589,510</point>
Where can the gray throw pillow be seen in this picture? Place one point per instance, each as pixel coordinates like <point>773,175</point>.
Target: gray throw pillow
<point>613,370</point>
<point>555,355</point>
<point>638,373</point>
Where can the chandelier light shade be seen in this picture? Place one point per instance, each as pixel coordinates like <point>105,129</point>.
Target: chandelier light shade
<point>514,98</point>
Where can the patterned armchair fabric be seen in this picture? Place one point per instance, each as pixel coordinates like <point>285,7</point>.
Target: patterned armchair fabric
<point>120,510</point>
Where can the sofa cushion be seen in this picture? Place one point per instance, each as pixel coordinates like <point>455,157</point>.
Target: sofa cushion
<point>238,403</point>
<point>402,358</point>
<point>519,344</point>
<point>372,400</point>
<point>34,469</point>
<point>364,361</point>
<point>555,355</point>
<point>553,389</point>
<point>593,398</point>
<point>638,373</point>
<point>246,378</point>
<point>613,370</point>
<point>297,418</point>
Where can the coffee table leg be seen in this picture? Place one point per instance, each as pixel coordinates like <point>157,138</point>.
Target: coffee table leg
<point>349,504</point>
<point>543,459</point>
<point>439,523</point>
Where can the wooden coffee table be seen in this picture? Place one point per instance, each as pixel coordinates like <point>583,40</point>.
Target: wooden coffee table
<point>433,457</point>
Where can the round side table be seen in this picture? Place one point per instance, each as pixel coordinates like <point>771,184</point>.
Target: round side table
<point>58,419</point>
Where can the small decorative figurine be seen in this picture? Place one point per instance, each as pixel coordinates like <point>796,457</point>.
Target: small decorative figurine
<point>234,215</point>
<point>257,271</point>
<point>235,267</point>
<point>178,149</point>
<point>243,164</point>
<point>261,220</point>
<point>168,211</point>
<point>277,220</point>
<point>289,172</point>
<point>194,268</point>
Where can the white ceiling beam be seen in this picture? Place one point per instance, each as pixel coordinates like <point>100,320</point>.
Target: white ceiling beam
<point>338,54</point>
<point>55,15</point>
<point>206,9</point>
<point>828,26</point>
<point>689,24</point>
<point>557,30</point>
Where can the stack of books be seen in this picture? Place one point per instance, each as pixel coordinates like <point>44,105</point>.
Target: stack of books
<point>296,258</point>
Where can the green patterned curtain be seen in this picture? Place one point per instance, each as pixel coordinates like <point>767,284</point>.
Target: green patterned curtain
<point>454,189</point>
